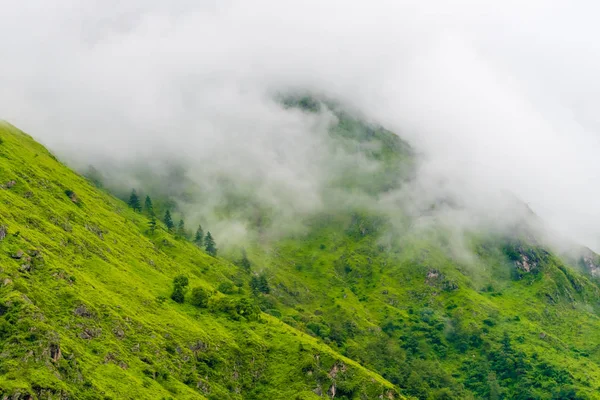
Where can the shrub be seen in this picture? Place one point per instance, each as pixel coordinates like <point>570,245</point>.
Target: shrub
<point>236,309</point>
<point>226,288</point>
<point>181,280</point>
<point>179,284</point>
<point>199,297</point>
<point>178,296</point>
<point>259,284</point>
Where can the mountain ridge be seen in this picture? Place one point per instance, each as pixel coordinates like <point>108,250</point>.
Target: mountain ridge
<point>355,306</point>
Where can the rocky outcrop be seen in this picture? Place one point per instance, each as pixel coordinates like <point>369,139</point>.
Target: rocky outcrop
<point>82,311</point>
<point>527,259</point>
<point>437,279</point>
<point>18,254</point>
<point>591,263</point>
<point>525,263</point>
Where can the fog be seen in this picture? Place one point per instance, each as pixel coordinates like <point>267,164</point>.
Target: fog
<point>494,97</point>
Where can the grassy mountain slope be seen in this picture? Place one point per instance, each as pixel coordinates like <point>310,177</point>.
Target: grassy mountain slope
<point>85,310</point>
<point>358,300</point>
<point>503,318</point>
<point>509,320</point>
<point>436,327</point>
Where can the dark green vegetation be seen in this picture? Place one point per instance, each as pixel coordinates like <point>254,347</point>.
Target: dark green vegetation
<point>100,300</point>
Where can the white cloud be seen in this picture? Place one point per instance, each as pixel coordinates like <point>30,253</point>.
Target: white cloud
<point>496,95</point>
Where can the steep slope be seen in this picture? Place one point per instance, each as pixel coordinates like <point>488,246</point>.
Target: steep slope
<point>357,304</point>
<point>85,310</point>
<point>502,317</point>
<point>487,315</point>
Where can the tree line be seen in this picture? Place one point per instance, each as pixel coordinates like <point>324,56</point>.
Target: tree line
<point>200,239</point>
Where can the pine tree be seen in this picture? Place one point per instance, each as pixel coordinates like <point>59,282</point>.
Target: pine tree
<point>152,223</point>
<point>134,202</point>
<point>254,285</point>
<point>148,206</point>
<point>263,284</point>
<point>259,284</point>
<point>199,239</point>
<point>181,229</point>
<point>169,221</point>
<point>244,262</point>
<point>210,245</point>
<point>179,287</point>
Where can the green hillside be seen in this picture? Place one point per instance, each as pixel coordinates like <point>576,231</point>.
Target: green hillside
<point>85,308</point>
<point>358,304</point>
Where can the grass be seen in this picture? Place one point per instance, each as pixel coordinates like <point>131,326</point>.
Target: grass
<point>346,308</point>
<point>94,283</point>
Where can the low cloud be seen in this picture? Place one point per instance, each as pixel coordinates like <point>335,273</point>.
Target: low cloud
<point>495,98</point>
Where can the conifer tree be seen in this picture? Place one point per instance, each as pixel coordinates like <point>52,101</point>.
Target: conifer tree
<point>210,245</point>
<point>263,284</point>
<point>179,287</point>
<point>169,221</point>
<point>134,202</point>
<point>152,223</point>
<point>254,285</point>
<point>148,206</point>
<point>199,239</point>
<point>181,229</point>
<point>259,284</point>
<point>244,262</point>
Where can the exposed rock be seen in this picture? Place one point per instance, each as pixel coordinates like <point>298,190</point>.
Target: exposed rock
<point>25,267</point>
<point>204,386</point>
<point>337,367</point>
<point>90,333</point>
<point>437,279</point>
<point>525,263</point>
<point>82,311</point>
<point>55,352</point>
<point>71,194</point>
<point>331,391</point>
<point>433,274</point>
<point>109,357</point>
<point>95,230</point>
<point>591,262</point>
<point>10,184</point>
<point>7,282</point>
<point>18,255</point>
<point>118,331</point>
<point>318,391</point>
<point>3,232</point>
<point>198,347</point>
<point>18,396</point>
<point>527,259</point>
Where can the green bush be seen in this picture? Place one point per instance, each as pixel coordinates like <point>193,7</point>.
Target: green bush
<point>199,297</point>
<point>178,295</point>
<point>181,280</point>
<point>226,288</point>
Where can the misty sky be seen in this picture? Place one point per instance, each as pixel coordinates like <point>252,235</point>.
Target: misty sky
<point>496,96</point>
